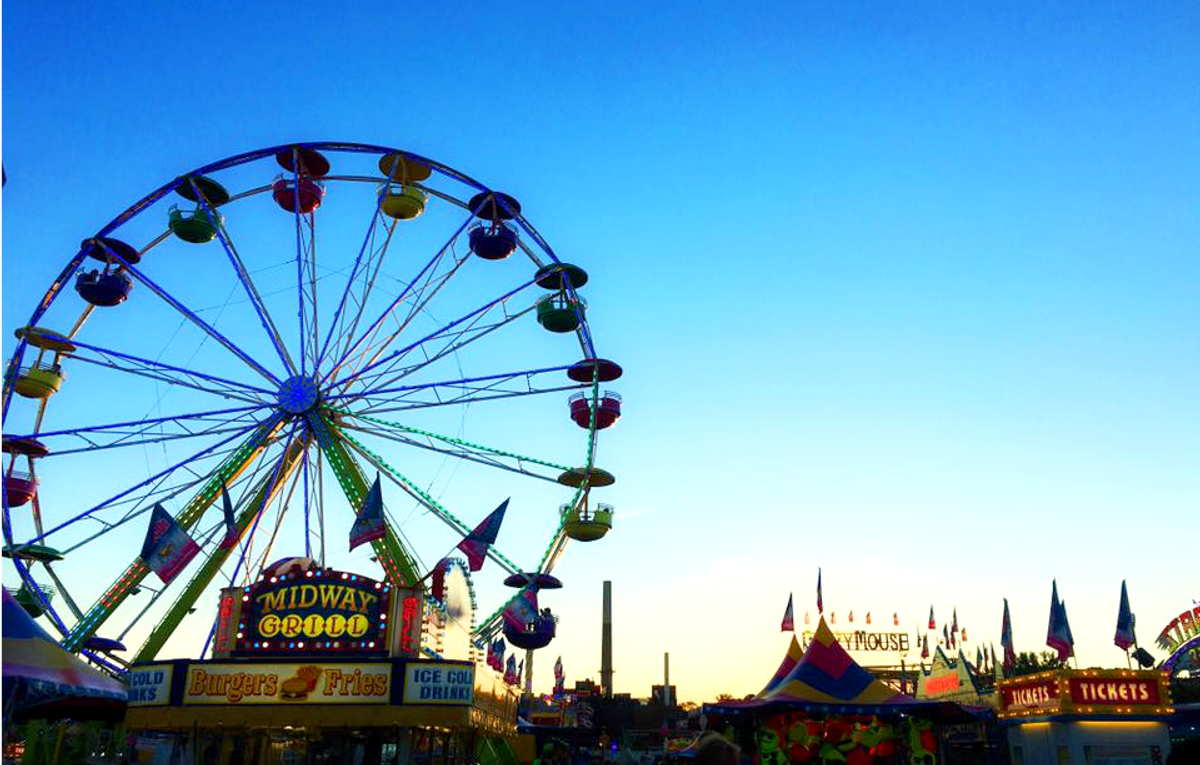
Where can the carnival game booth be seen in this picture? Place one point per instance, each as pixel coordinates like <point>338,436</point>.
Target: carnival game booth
<point>316,666</point>
<point>820,706</point>
<point>56,707</point>
<point>1093,716</point>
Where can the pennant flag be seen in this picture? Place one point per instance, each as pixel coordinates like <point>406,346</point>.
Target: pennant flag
<point>167,547</point>
<point>963,634</point>
<point>932,626</point>
<point>895,618</point>
<point>806,617</point>
<point>438,587</point>
<point>500,649</point>
<point>369,525</point>
<point>491,654</point>
<point>946,635</point>
<point>231,533</point>
<point>522,610</point>
<point>954,621</point>
<point>925,647</point>
<point>820,602</point>
<point>789,622</point>
<point>510,670</point>
<point>1058,631</point>
<point>868,617</point>
<point>1006,639</point>
<point>1125,637</point>
<point>852,617</point>
<point>475,545</point>
<point>833,617</point>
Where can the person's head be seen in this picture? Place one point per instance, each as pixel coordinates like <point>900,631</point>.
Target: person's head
<point>714,749</point>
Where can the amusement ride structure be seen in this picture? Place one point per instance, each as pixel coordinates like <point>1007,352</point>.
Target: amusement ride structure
<point>237,332</point>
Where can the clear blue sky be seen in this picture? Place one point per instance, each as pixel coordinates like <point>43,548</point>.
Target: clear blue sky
<point>908,293</point>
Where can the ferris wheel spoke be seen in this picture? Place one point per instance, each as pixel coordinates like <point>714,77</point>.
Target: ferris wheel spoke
<point>398,564</point>
<point>397,301</point>
<point>205,574</point>
<point>161,371</point>
<point>461,447</point>
<point>239,268</point>
<point>228,470</point>
<point>461,383</point>
<point>371,275</point>
<point>189,315</point>
<point>424,498</point>
<point>241,411</point>
<point>398,355</point>
<point>375,348</point>
<point>371,226</point>
<point>267,426</point>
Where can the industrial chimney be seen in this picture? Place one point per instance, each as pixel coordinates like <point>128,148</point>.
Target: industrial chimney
<point>606,666</point>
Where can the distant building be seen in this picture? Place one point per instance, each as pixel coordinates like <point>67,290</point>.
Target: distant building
<point>656,695</point>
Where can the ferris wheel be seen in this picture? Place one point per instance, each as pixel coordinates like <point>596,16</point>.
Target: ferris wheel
<point>283,328</point>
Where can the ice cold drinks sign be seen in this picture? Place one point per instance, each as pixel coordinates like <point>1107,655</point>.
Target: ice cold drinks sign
<point>443,683</point>
<point>150,686</point>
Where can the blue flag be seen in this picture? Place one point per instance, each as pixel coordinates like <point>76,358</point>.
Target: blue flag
<point>369,525</point>
<point>1125,637</point>
<point>167,548</point>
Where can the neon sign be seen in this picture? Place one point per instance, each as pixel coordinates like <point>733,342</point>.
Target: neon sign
<point>1179,630</point>
<point>313,612</point>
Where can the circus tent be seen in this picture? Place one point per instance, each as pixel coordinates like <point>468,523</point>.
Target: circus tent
<point>41,680</point>
<point>824,678</point>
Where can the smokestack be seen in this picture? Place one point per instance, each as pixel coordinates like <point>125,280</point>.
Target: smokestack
<point>666,679</point>
<point>606,666</point>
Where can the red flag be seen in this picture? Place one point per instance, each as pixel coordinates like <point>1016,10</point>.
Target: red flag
<point>954,622</point>
<point>852,617</point>
<point>438,588</point>
<point>925,647</point>
<point>868,617</point>
<point>895,618</point>
<point>475,545</point>
<point>932,626</point>
<point>789,622</point>
<point>833,617</point>
<point>963,634</point>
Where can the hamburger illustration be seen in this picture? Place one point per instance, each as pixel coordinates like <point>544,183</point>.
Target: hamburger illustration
<point>298,687</point>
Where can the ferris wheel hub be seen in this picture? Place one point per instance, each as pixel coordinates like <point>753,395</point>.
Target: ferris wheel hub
<point>298,394</point>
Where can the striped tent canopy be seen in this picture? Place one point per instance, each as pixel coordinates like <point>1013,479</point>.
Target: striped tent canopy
<point>42,681</point>
<point>790,660</point>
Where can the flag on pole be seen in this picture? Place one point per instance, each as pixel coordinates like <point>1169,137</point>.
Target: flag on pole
<point>895,618</point>
<point>789,621</point>
<point>1006,639</point>
<point>167,547</point>
<point>369,525</point>
<point>932,625</point>
<point>510,669</point>
<point>925,647</point>
<point>520,672</point>
<point>438,587</point>
<point>954,621</point>
<point>833,617</point>
<point>475,545</point>
<point>963,634</point>
<point>522,610</point>
<point>1058,631</point>
<point>946,635</point>
<point>852,617</point>
<point>868,617</point>
<point>806,617</point>
<point>231,533</point>
<point>820,602</point>
<point>1125,637</point>
<point>978,658</point>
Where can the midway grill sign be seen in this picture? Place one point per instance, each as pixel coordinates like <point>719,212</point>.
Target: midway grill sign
<point>313,612</point>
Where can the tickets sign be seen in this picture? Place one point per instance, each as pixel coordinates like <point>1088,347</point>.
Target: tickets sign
<point>1115,691</point>
<point>243,684</point>
<point>319,611</point>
